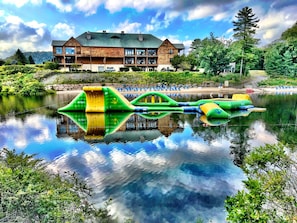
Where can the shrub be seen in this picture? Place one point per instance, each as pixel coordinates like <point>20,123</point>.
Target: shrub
<point>29,193</point>
<point>136,69</point>
<point>51,65</point>
<point>124,69</point>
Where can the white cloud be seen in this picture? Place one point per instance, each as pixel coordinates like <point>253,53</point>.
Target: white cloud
<point>128,27</point>
<point>161,20</point>
<point>114,6</point>
<point>220,16</point>
<point>88,6</point>
<point>27,36</point>
<point>61,6</point>
<point>201,11</point>
<point>273,23</point>
<point>20,3</point>
<point>63,31</point>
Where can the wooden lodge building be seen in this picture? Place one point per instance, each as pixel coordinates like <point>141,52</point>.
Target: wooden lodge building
<point>104,51</point>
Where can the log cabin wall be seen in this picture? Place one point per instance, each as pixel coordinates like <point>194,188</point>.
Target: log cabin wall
<point>115,50</point>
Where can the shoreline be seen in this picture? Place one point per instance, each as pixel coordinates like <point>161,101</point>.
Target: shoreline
<point>205,90</point>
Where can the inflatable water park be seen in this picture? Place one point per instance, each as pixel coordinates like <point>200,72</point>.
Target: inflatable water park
<point>104,99</point>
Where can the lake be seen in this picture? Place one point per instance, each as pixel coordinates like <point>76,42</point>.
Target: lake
<point>157,167</point>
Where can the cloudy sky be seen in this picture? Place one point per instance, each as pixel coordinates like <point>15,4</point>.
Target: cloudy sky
<point>31,25</point>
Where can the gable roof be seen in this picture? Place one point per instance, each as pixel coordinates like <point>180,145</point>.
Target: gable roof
<point>179,46</point>
<point>58,42</point>
<point>122,40</point>
<point>126,40</point>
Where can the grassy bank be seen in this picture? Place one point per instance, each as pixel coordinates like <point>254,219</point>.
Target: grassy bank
<point>141,78</point>
<point>29,80</point>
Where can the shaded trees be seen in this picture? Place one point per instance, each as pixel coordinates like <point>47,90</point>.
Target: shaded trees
<point>29,193</point>
<point>212,54</point>
<point>281,58</point>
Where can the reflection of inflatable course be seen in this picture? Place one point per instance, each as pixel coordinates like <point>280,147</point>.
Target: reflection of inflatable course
<point>108,99</point>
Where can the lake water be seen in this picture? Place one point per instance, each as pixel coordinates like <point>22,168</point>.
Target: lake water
<point>169,167</point>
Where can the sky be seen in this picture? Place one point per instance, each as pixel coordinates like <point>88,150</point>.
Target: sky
<point>31,25</point>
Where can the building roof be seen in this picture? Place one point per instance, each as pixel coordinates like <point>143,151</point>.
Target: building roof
<point>126,40</point>
<point>179,46</point>
<point>122,40</point>
<point>58,42</point>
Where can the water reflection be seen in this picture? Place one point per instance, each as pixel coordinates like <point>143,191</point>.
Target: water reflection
<point>128,126</point>
<point>168,167</point>
<point>154,166</point>
<point>169,179</point>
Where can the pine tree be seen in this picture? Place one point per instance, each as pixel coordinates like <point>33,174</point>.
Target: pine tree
<point>20,57</point>
<point>31,60</point>
<point>245,28</point>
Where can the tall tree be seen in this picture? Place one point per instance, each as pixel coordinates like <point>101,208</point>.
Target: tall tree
<point>244,30</point>
<point>31,60</point>
<point>20,57</point>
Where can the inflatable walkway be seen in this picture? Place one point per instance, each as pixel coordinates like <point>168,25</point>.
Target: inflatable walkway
<point>101,99</point>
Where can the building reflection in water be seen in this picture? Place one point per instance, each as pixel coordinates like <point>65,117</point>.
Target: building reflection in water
<point>115,127</point>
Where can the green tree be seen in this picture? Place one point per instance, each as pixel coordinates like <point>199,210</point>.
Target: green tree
<point>244,29</point>
<point>20,57</point>
<point>192,60</point>
<point>31,60</point>
<point>176,61</point>
<point>290,33</point>
<point>281,58</point>
<point>271,193</point>
<point>51,65</point>
<point>29,193</point>
<point>213,55</point>
<point>2,62</point>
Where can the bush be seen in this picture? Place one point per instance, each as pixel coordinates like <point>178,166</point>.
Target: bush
<point>33,88</point>
<point>30,194</point>
<point>136,69</point>
<point>15,69</point>
<point>51,65</point>
<point>270,194</point>
<point>124,69</point>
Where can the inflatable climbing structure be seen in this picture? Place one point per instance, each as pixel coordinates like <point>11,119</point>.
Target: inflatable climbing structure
<point>101,99</point>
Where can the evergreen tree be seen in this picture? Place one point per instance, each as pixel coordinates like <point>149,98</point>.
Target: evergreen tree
<point>244,29</point>
<point>31,60</point>
<point>20,57</point>
<point>290,33</point>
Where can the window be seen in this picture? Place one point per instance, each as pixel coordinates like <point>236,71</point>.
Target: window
<point>129,52</point>
<point>140,52</point>
<point>59,50</point>
<point>69,59</point>
<point>141,61</point>
<point>70,50</point>
<point>129,60</point>
<point>152,61</point>
<point>171,51</point>
<point>152,52</point>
